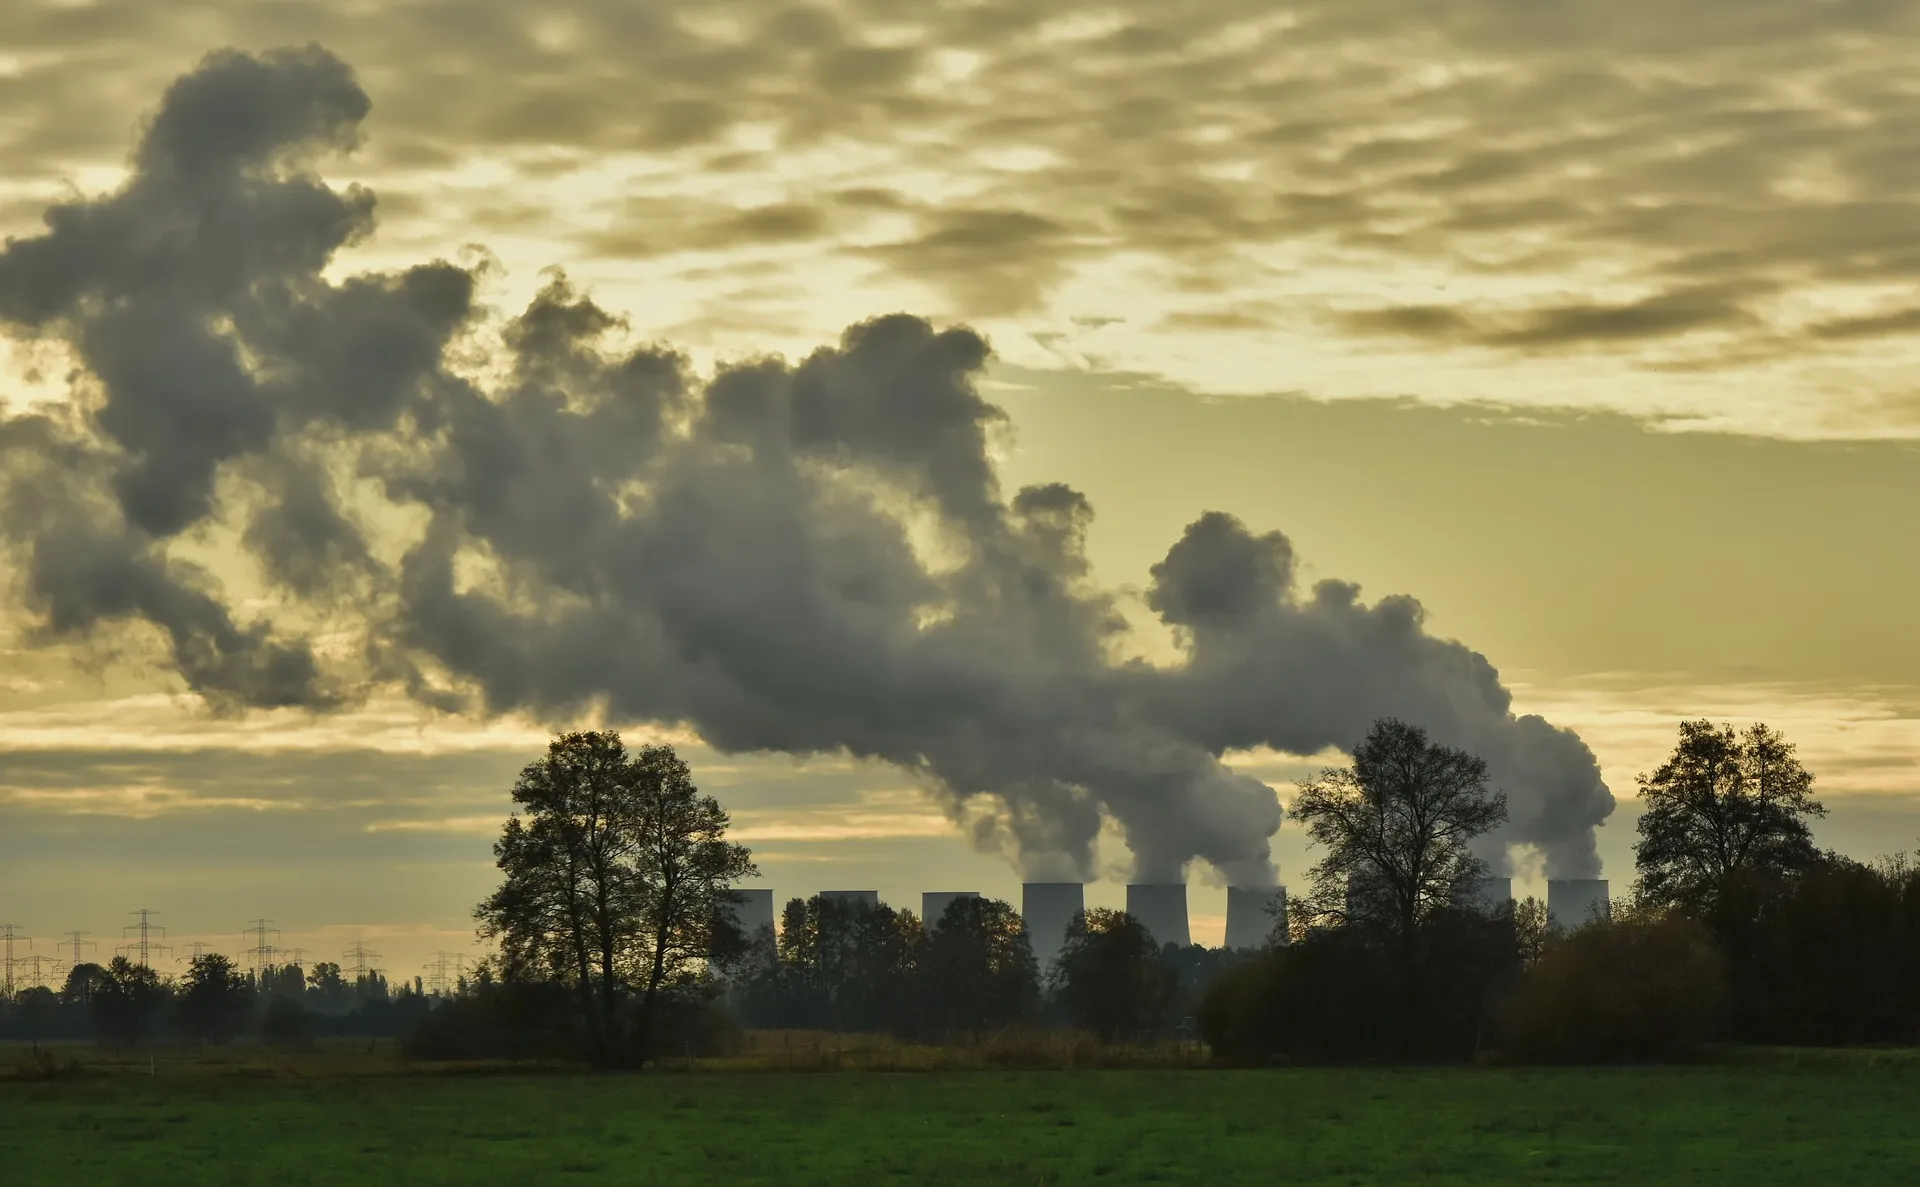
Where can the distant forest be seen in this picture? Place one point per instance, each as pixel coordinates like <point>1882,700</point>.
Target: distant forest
<point>616,943</point>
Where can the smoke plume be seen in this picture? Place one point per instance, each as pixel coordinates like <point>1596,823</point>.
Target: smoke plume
<point>807,558</point>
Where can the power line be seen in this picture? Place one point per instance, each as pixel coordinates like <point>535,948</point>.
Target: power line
<point>142,946</point>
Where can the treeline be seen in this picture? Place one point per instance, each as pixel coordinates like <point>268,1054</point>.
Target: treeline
<point>126,1004</point>
<point>852,967</point>
<point>1737,927</point>
<point>614,923</point>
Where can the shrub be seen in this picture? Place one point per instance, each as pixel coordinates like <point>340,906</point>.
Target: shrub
<point>1630,989</point>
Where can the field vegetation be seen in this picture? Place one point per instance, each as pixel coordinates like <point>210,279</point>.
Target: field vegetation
<point>344,1115</point>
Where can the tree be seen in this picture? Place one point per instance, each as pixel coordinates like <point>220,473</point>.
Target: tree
<point>1397,827</point>
<point>125,1002</point>
<point>333,994</point>
<point>617,881</point>
<point>977,970</point>
<point>1110,979</point>
<point>846,966</point>
<point>35,1011</point>
<point>216,999</point>
<point>1725,807</point>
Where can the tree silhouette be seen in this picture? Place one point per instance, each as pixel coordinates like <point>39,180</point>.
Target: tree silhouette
<point>1724,807</point>
<point>977,971</point>
<point>126,1001</point>
<point>617,879</point>
<point>1110,979</point>
<point>216,999</point>
<point>1397,827</point>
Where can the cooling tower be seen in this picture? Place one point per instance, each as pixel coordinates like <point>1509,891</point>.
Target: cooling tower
<point>869,898</point>
<point>1489,896</point>
<point>1161,907</point>
<point>934,903</point>
<point>1048,907</point>
<point>753,912</point>
<point>1253,912</point>
<point>1576,902</point>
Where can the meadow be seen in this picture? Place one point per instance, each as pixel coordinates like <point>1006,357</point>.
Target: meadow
<point>354,1117</point>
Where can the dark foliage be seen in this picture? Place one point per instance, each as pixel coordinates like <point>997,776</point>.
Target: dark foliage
<point>1111,980</point>
<point>977,971</point>
<point>1724,810</point>
<point>617,877</point>
<point>286,1024</point>
<point>1342,994</point>
<point>1633,988</point>
<point>216,1000</point>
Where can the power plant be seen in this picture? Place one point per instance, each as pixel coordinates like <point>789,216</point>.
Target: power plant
<point>934,903</point>
<point>1161,907</point>
<point>867,898</point>
<point>1576,902</point>
<point>1253,915</point>
<point>1048,908</point>
<point>753,912</point>
<point>1489,896</point>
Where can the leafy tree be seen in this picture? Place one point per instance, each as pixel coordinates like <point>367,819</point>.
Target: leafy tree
<point>285,980</point>
<point>848,966</point>
<point>1397,826</point>
<point>84,980</point>
<point>1110,978</point>
<point>35,1011</point>
<point>977,971</point>
<point>216,1000</point>
<point>617,877</point>
<point>126,1001</point>
<point>330,991</point>
<point>1725,807</point>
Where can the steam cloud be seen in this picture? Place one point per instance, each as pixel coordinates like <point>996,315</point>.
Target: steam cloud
<point>809,558</point>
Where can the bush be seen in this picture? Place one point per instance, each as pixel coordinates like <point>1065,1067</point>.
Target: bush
<point>1630,989</point>
<point>1343,994</point>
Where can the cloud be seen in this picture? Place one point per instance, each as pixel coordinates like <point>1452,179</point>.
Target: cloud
<point>1337,155</point>
<point>1559,327</point>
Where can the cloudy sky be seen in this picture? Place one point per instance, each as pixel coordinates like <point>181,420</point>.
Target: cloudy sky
<point>1590,325</point>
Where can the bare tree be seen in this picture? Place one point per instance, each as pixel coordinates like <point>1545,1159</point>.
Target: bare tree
<point>1397,826</point>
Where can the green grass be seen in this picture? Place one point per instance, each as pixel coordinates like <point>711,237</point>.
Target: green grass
<point>1787,1118</point>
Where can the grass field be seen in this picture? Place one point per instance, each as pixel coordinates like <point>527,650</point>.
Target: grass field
<point>1777,1120</point>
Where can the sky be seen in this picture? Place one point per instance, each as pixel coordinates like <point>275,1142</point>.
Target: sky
<point>1591,326</point>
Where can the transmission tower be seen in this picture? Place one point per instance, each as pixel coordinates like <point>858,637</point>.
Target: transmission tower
<point>39,974</point>
<point>141,945</point>
<point>442,973</point>
<point>260,950</point>
<point>9,931</point>
<point>75,941</point>
<point>299,957</point>
<point>195,951</point>
<point>360,959</point>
